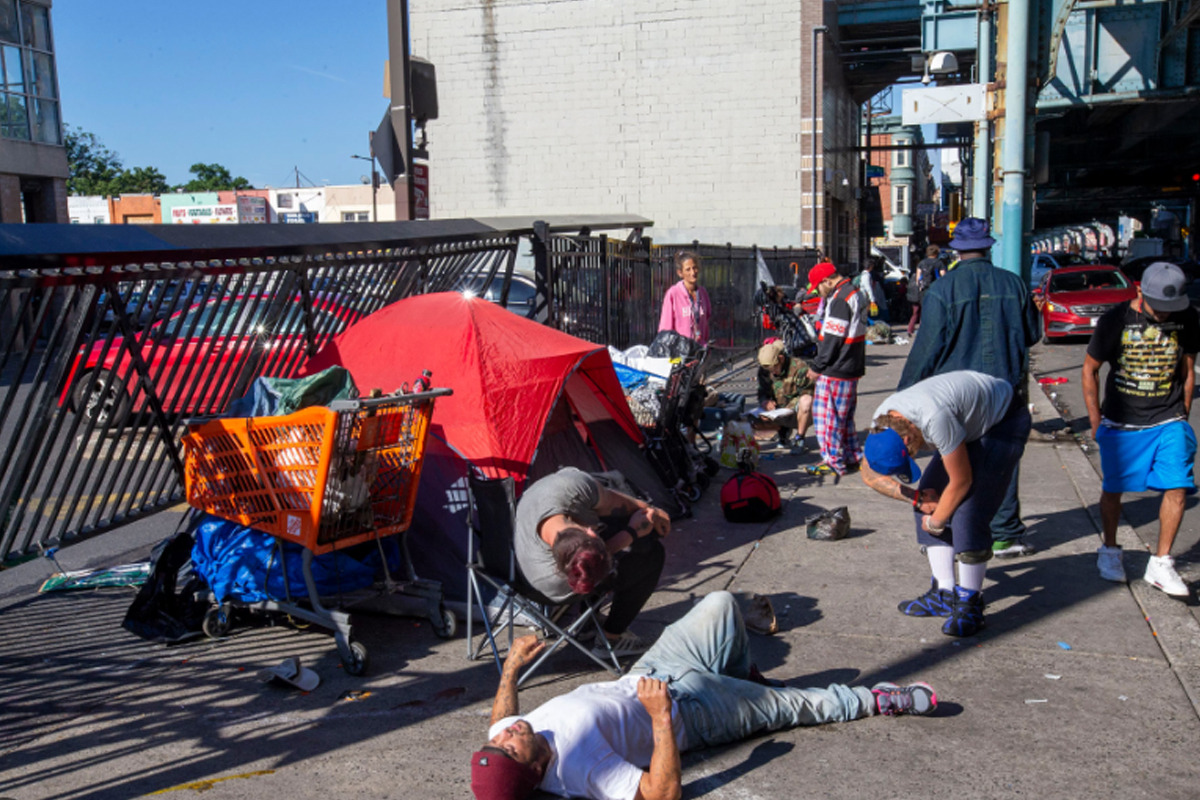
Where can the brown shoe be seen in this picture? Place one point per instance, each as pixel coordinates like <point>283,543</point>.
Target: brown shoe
<point>760,615</point>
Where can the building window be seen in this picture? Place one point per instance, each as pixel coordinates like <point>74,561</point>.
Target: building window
<point>356,216</point>
<point>28,90</point>
<point>900,200</point>
<point>902,158</point>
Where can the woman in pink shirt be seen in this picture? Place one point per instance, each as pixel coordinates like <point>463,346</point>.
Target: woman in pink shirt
<point>686,307</point>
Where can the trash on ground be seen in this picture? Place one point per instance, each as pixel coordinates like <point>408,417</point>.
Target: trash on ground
<point>829,525</point>
<point>1064,645</point>
<point>1031,702</point>
<point>1051,381</point>
<point>121,575</point>
<point>1051,677</point>
<point>290,673</point>
<point>354,694</point>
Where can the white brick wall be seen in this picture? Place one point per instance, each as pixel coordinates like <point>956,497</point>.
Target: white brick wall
<point>689,113</point>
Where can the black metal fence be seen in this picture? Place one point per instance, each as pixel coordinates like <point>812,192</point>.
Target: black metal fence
<point>112,336</point>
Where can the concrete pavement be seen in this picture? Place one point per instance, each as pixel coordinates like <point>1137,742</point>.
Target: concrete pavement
<point>1077,687</point>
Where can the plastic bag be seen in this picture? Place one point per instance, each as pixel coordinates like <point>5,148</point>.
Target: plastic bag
<point>829,526</point>
<point>738,444</point>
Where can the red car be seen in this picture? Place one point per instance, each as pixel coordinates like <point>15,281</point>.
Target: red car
<point>1073,298</point>
<point>194,357</point>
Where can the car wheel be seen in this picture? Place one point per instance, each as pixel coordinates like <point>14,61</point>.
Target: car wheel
<point>103,402</point>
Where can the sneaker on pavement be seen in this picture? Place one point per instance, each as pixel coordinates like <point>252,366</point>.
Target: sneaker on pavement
<point>1012,548</point>
<point>966,613</point>
<point>819,470</point>
<point>799,447</point>
<point>1109,562</point>
<point>934,603</point>
<point>1160,572</point>
<point>916,698</point>
<point>627,644</point>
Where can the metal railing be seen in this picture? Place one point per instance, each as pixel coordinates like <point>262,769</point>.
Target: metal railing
<point>112,336</point>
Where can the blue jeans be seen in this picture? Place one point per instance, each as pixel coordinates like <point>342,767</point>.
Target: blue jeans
<point>705,658</point>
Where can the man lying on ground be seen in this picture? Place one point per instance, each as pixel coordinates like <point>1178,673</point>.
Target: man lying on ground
<point>621,740</point>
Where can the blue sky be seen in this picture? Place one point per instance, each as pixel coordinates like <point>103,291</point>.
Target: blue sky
<point>260,86</point>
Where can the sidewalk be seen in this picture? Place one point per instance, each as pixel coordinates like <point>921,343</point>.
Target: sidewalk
<point>1078,687</point>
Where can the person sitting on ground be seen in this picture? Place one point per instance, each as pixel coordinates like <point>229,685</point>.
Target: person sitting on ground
<point>978,427</point>
<point>783,383</point>
<point>696,687</point>
<point>571,503</point>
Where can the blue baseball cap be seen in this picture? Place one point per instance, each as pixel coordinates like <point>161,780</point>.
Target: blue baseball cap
<point>888,455</point>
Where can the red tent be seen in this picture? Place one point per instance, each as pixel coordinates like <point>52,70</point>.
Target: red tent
<point>527,400</point>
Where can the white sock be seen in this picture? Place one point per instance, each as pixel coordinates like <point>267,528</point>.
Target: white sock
<point>941,564</point>
<point>970,576</point>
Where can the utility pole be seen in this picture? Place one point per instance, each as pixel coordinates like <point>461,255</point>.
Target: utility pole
<point>400,78</point>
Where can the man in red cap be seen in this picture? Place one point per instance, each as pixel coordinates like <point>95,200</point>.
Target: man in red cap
<point>620,740</point>
<point>840,361</point>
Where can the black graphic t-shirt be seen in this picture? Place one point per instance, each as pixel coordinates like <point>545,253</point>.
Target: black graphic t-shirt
<point>1146,366</point>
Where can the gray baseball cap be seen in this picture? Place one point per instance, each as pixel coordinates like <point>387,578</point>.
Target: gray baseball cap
<point>1164,287</point>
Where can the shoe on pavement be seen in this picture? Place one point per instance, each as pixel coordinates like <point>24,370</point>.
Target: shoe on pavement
<point>819,470</point>
<point>627,644</point>
<point>1012,548</point>
<point>916,698</point>
<point>966,613</point>
<point>1160,573</point>
<point>799,447</point>
<point>1109,562</point>
<point>934,603</point>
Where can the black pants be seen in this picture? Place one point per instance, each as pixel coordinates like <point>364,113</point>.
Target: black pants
<point>637,573</point>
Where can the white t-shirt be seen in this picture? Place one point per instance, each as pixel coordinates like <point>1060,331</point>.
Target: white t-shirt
<point>951,408</point>
<point>601,736</point>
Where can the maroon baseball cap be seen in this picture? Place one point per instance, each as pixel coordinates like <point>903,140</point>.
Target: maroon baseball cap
<point>496,776</point>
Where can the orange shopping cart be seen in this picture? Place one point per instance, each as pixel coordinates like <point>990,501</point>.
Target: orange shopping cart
<point>325,478</point>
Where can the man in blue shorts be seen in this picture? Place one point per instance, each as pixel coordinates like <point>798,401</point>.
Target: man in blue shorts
<point>1145,440</point>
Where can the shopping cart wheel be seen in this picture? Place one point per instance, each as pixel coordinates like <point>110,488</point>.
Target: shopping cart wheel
<point>448,626</point>
<point>694,491</point>
<point>216,622</point>
<point>359,661</point>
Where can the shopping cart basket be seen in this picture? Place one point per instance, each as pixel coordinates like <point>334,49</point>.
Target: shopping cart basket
<point>326,479</point>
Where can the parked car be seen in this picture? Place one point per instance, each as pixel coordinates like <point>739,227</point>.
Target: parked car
<point>1073,298</point>
<point>1044,262</point>
<point>194,356</point>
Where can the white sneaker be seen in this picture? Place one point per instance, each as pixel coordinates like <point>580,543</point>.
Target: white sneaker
<point>1160,573</point>
<point>1108,561</point>
<point>627,644</point>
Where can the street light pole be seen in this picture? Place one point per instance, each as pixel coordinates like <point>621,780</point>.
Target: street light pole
<point>374,180</point>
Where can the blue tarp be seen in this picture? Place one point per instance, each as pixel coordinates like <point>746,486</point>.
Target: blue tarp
<point>243,565</point>
<point>631,378</point>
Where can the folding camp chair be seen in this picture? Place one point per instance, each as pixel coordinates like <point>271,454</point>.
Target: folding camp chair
<point>492,562</point>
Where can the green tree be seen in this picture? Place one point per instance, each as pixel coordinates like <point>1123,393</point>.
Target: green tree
<point>139,180</point>
<point>213,178</point>
<point>93,167</point>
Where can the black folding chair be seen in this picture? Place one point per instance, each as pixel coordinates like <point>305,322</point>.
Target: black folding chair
<point>492,562</point>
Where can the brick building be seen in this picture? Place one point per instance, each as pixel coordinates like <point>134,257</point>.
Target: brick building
<point>696,115</point>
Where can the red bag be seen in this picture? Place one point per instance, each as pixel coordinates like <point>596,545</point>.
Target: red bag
<point>750,497</point>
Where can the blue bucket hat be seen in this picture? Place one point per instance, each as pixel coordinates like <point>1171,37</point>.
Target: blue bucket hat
<point>971,234</point>
<point>887,454</point>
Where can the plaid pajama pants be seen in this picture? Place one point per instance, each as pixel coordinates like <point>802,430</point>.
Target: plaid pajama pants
<point>834,402</point>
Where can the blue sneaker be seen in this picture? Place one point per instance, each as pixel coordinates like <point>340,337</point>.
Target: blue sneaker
<point>916,698</point>
<point>966,613</point>
<point>934,603</point>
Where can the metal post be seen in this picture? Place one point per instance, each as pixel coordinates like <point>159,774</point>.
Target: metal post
<point>1012,253</point>
<point>982,178</point>
<point>817,30</point>
<point>400,77</point>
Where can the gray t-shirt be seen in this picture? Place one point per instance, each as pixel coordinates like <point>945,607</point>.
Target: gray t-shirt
<point>569,491</point>
<point>951,408</point>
